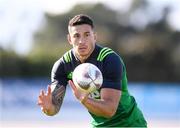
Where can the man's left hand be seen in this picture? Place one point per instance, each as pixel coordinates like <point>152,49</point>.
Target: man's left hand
<point>81,96</point>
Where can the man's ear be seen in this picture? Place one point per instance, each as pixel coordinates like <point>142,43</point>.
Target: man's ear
<point>69,39</point>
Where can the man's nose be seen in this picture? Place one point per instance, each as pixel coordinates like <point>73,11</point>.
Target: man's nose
<point>82,41</point>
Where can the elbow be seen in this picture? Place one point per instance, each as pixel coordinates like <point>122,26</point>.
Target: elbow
<point>48,113</point>
<point>51,114</point>
<point>53,111</point>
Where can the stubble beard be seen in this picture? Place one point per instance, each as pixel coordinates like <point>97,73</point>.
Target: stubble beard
<point>83,57</point>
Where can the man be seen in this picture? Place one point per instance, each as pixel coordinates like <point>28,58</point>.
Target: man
<point>111,105</point>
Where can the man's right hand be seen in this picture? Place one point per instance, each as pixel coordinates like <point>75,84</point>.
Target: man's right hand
<point>45,102</point>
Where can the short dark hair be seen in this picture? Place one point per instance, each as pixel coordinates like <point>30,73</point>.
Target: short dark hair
<point>81,19</point>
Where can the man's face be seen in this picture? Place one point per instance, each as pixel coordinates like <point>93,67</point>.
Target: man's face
<point>83,39</point>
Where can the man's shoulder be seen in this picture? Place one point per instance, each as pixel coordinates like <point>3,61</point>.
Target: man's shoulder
<point>106,53</point>
<point>65,58</point>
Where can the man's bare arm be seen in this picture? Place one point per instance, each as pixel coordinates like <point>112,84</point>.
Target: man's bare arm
<point>105,107</point>
<point>51,101</point>
<point>57,97</point>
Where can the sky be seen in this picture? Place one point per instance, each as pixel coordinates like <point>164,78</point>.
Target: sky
<point>57,6</point>
<point>19,19</point>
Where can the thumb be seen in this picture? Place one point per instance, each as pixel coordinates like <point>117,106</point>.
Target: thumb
<point>49,90</point>
<point>72,85</point>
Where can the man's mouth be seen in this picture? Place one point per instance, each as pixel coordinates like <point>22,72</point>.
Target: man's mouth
<point>82,48</point>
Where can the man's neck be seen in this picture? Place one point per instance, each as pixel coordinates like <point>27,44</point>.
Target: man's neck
<point>82,58</point>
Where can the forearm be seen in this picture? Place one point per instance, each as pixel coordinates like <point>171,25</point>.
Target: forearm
<point>106,106</point>
<point>57,99</point>
<point>100,107</point>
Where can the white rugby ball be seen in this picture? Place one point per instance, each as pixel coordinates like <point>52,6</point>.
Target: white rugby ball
<point>87,77</point>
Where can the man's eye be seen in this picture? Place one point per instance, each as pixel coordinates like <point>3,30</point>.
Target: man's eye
<point>87,34</point>
<point>76,36</point>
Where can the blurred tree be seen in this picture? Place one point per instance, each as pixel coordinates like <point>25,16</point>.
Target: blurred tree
<point>151,52</point>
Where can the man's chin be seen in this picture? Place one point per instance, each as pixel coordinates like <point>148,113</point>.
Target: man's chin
<point>83,53</point>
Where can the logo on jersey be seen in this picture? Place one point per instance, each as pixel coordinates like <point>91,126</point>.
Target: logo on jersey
<point>69,75</point>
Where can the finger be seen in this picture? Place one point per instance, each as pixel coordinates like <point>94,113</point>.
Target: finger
<point>72,85</point>
<point>40,104</point>
<point>41,98</point>
<point>42,93</point>
<point>49,90</point>
<point>42,108</point>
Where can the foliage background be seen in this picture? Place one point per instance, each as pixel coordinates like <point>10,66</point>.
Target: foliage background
<point>151,52</point>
